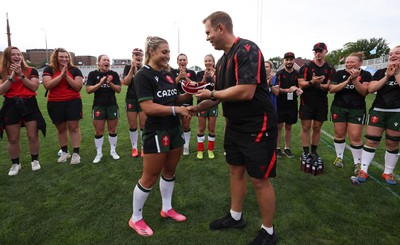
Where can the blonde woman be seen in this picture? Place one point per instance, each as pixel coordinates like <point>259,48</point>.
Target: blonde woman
<point>210,115</point>
<point>384,115</point>
<point>348,108</point>
<point>158,96</point>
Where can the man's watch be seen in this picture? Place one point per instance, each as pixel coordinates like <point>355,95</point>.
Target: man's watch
<point>212,96</point>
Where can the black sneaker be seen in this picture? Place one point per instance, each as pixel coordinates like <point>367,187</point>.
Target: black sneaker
<point>278,153</point>
<point>288,153</point>
<point>263,238</point>
<point>227,222</point>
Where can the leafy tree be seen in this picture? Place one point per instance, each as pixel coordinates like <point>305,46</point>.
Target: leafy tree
<point>277,61</point>
<point>196,68</point>
<point>372,48</point>
<point>335,57</point>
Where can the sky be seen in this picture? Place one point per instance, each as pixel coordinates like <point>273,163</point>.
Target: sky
<point>116,27</point>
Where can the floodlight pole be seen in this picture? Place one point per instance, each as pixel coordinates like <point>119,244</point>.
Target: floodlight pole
<point>8,31</point>
<point>45,42</point>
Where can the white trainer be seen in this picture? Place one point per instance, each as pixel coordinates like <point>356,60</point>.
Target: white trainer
<point>114,155</point>
<point>14,169</point>
<point>35,165</point>
<point>75,159</point>
<point>185,151</point>
<point>64,157</point>
<point>97,158</point>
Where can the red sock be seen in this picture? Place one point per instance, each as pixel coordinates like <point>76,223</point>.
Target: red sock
<point>200,146</point>
<point>210,145</point>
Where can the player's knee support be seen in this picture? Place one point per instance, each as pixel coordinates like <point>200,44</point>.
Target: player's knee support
<point>373,138</point>
<point>393,138</point>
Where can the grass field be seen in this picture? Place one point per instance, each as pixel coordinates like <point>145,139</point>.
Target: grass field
<point>91,203</point>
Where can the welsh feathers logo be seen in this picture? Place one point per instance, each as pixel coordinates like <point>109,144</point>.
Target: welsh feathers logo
<point>165,140</point>
<point>170,80</point>
<point>97,113</point>
<point>374,119</point>
<point>334,116</point>
<point>130,106</point>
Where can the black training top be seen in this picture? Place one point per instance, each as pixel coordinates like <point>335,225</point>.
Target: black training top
<point>286,80</point>
<point>388,96</point>
<point>105,95</point>
<point>160,87</point>
<point>314,94</point>
<point>348,97</point>
<point>244,64</point>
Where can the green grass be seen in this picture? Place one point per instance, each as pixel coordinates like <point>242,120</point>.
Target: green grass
<point>91,203</point>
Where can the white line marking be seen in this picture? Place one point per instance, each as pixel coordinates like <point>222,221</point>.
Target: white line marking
<point>386,186</point>
<point>376,164</point>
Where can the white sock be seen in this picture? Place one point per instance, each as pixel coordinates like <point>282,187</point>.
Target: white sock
<point>140,195</point>
<point>236,215</point>
<point>99,145</point>
<point>367,156</point>
<point>166,189</point>
<point>270,230</point>
<point>339,147</point>
<point>113,142</point>
<point>187,139</point>
<point>133,134</point>
<point>200,139</point>
<point>356,151</point>
<point>390,162</point>
<point>141,137</point>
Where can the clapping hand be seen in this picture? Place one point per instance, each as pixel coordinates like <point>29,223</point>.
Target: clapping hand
<point>317,79</point>
<point>354,73</point>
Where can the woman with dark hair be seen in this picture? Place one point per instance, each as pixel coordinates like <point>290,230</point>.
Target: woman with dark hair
<point>18,84</point>
<point>64,82</point>
<point>104,82</point>
<point>182,74</point>
<point>133,110</point>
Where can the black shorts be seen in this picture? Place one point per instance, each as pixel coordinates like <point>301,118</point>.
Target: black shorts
<point>258,157</point>
<point>64,111</point>
<point>288,114</point>
<point>17,110</point>
<point>314,111</point>
<point>132,105</point>
<point>157,141</point>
